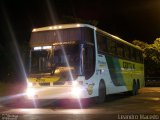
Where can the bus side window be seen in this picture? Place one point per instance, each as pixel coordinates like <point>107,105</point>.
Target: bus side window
<point>89,61</point>
<point>141,57</point>
<point>112,47</point>
<point>127,52</point>
<point>101,43</point>
<point>89,35</point>
<point>133,54</point>
<point>120,49</point>
<point>138,56</point>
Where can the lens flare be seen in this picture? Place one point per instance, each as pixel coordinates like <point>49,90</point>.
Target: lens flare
<point>30,92</point>
<point>76,91</point>
<point>60,40</point>
<point>15,49</point>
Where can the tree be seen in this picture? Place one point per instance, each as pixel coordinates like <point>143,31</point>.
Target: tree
<point>140,44</point>
<point>156,44</point>
<point>151,53</point>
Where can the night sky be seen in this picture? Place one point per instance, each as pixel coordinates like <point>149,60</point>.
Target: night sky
<point>128,19</point>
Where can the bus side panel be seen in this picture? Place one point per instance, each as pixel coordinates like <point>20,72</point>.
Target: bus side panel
<point>107,72</point>
<point>123,72</point>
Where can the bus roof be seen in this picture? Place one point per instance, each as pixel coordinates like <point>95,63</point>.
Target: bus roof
<point>76,25</point>
<point>62,26</point>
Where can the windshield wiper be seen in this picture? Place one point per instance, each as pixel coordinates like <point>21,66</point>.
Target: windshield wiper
<point>53,68</point>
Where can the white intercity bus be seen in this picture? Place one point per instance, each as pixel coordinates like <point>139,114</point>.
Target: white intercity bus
<point>76,61</point>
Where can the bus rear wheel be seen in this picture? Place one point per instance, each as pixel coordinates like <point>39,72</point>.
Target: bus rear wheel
<point>101,93</point>
<point>135,88</point>
<point>138,84</point>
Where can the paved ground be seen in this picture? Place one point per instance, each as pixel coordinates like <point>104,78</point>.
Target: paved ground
<point>145,105</point>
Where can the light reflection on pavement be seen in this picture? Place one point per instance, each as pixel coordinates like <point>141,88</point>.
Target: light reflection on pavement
<point>147,102</point>
<point>58,111</point>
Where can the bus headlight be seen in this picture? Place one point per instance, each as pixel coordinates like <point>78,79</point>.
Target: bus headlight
<point>30,84</point>
<point>30,92</point>
<point>74,83</point>
<point>76,91</point>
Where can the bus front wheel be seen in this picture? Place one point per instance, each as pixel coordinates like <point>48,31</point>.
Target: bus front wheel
<point>101,93</point>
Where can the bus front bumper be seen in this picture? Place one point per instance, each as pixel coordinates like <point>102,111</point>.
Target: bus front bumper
<point>56,92</point>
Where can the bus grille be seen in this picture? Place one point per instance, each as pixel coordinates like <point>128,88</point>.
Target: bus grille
<point>44,84</point>
<point>59,83</point>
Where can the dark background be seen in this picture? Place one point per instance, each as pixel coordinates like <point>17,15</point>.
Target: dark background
<point>128,19</point>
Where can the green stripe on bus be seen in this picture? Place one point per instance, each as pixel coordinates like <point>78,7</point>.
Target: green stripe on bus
<point>123,72</point>
<point>115,71</point>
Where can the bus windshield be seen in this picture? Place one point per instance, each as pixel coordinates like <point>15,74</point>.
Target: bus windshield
<point>62,58</point>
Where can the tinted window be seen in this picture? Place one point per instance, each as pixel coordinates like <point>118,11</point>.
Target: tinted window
<point>139,56</point>
<point>89,61</point>
<point>127,52</point>
<point>133,54</point>
<point>102,43</point>
<point>112,47</point>
<point>88,35</point>
<point>120,49</point>
<point>62,35</point>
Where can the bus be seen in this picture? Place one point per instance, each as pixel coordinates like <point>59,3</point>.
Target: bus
<point>78,61</point>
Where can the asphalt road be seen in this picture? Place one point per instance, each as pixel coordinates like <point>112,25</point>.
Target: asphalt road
<point>144,106</point>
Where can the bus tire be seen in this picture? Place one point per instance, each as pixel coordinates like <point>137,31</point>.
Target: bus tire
<point>134,88</point>
<point>101,93</point>
<point>138,84</point>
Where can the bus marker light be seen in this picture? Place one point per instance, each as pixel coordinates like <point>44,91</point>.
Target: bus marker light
<point>50,28</point>
<point>34,30</point>
<point>59,26</point>
<point>55,27</point>
<point>78,25</point>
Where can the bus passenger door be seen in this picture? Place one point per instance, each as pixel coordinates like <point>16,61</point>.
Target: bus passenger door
<point>89,69</point>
